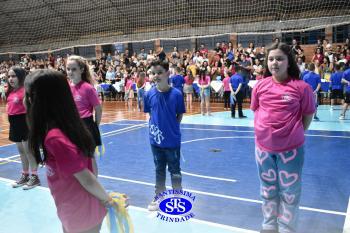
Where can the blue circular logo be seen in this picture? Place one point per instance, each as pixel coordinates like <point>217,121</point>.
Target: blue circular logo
<point>175,206</point>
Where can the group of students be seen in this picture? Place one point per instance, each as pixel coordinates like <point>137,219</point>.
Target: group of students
<point>233,89</point>
<point>337,81</point>
<point>52,123</point>
<point>283,108</point>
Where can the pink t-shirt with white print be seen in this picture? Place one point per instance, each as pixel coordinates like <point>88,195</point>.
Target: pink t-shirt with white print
<point>278,111</point>
<point>204,81</point>
<point>15,104</point>
<point>128,85</point>
<point>85,97</point>
<point>226,83</point>
<point>77,209</point>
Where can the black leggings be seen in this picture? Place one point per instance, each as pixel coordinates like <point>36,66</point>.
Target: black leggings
<point>239,101</point>
<point>227,99</point>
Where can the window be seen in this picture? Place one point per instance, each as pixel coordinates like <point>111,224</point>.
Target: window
<point>308,37</point>
<point>340,33</point>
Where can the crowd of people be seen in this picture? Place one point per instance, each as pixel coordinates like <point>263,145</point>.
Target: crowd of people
<point>125,68</point>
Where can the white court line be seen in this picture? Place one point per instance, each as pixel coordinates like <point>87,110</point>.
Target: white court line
<point>203,139</point>
<point>222,195</point>
<point>208,177</point>
<point>9,158</point>
<point>214,194</point>
<point>13,156</point>
<point>218,225</point>
<point>240,131</point>
<point>225,197</point>
<point>346,228</point>
<point>126,128</point>
<point>123,131</point>
<point>121,123</point>
<point>252,131</point>
<point>220,130</point>
<point>326,136</point>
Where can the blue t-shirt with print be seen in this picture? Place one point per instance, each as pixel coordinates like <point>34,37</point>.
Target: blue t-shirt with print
<point>164,129</point>
<point>235,80</point>
<point>346,76</point>
<point>312,79</point>
<point>336,80</point>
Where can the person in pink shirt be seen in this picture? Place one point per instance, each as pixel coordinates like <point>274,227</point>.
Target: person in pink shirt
<point>204,85</point>
<point>188,88</point>
<point>19,129</point>
<point>283,108</point>
<point>129,91</point>
<point>85,96</point>
<point>227,90</point>
<point>141,85</point>
<point>68,148</point>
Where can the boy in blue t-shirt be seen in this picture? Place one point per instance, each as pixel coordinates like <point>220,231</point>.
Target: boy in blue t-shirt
<point>314,80</point>
<point>166,106</point>
<point>336,85</point>
<point>346,81</point>
<point>178,80</point>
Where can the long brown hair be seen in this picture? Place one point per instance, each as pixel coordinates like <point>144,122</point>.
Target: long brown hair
<point>83,64</point>
<point>141,79</point>
<point>21,75</point>
<point>190,77</point>
<point>293,69</point>
<point>50,104</point>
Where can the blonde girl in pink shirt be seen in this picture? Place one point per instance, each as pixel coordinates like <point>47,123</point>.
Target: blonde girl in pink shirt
<point>283,108</point>
<point>19,129</point>
<point>85,96</point>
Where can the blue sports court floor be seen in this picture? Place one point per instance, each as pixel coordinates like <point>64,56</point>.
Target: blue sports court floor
<point>218,167</point>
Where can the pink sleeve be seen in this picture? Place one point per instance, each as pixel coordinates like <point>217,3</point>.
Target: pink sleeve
<point>208,79</point>
<point>254,104</point>
<point>93,97</point>
<point>67,157</point>
<point>308,105</point>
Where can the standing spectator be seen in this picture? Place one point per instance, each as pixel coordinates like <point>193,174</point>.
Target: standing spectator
<point>178,80</point>
<point>141,84</point>
<point>204,85</point>
<point>336,86</point>
<point>346,81</point>
<point>188,88</point>
<point>227,90</point>
<point>236,84</point>
<point>314,80</point>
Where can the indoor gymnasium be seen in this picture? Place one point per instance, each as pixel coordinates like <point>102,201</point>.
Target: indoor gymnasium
<point>174,116</point>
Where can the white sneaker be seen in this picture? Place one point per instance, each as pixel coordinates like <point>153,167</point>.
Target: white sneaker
<point>342,117</point>
<point>153,206</point>
<point>332,108</point>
